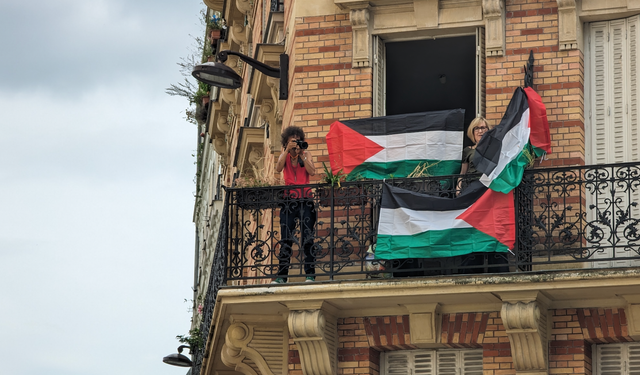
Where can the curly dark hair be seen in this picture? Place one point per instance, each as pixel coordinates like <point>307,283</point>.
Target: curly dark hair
<point>291,131</point>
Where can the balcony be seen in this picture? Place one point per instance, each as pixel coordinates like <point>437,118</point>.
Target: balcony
<point>571,219</point>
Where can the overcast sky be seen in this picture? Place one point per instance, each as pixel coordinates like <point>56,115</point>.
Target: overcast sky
<point>96,185</point>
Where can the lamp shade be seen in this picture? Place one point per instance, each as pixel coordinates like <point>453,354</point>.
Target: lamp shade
<point>177,359</point>
<point>217,74</point>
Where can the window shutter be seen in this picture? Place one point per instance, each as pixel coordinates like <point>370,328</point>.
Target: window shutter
<point>448,362</point>
<point>409,362</point>
<point>633,38</point>
<point>424,362</point>
<point>597,52</point>
<point>472,362</point>
<point>610,359</point>
<point>480,69</point>
<point>379,74</point>
<point>613,50</point>
<point>633,358</point>
<point>614,359</point>
<point>398,363</point>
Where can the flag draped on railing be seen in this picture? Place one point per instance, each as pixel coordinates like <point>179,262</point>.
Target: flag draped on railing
<point>415,225</point>
<point>393,146</point>
<point>522,135</point>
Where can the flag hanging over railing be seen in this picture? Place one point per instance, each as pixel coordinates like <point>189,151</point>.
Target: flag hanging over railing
<point>482,217</point>
<point>415,225</point>
<point>393,146</point>
<point>522,135</point>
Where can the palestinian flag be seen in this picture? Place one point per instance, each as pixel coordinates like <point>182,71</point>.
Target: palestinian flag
<point>415,225</point>
<point>523,134</point>
<point>393,146</point>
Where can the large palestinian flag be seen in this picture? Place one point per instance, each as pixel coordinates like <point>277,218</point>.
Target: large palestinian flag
<point>522,135</point>
<point>393,146</point>
<point>414,225</point>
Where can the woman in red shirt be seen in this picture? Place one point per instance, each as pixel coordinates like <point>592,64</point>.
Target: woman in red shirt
<point>297,165</point>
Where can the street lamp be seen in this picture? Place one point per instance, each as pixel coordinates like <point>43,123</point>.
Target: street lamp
<point>178,359</point>
<point>219,75</point>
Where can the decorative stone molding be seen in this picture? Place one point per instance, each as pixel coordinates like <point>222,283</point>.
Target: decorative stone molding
<point>567,25</point>
<point>220,145</point>
<point>269,113</point>
<point>314,330</point>
<point>238,34</point>
<point>632,311</point>
<point>524,317</point>
<point>494,16</point>
<point>424,324</point>
<point>222,123</point>
<point>361,29</point>
<point>244,6</point>
<point>256,344</point>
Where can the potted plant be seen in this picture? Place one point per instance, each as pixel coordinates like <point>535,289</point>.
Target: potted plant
<point>253,194</point>
<point>216,24</point>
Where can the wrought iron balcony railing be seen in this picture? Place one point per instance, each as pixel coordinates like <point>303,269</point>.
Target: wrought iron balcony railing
<point>566,218</point>
<point>573,217</point>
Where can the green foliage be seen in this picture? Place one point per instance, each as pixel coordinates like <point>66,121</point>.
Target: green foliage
<point>203,90</point>
<point>331,178</point>
<point>194,339</point>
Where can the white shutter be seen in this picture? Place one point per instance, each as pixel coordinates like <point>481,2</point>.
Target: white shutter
<point>618,359</point>
<point>609,360</point>
<point>409,362</point>
<point>480,69</point>
<point>633,361</point>
<point>379,74</point>
<point>448,362</point>
<point>398,362</point>
<point>613,122</point>
<point>423,363</point>
<point>597,76</point>
<point>472,362</point>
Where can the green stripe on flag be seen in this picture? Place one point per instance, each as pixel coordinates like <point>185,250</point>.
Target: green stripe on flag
<point>437,244</point>
<point>401,169</point>
<point>511,175</point>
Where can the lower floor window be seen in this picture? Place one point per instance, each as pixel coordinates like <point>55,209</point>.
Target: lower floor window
<point>432,362</point>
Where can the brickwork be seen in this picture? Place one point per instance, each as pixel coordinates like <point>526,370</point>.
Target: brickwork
<point>603,325</point>
<point>325,86</point>
<point>496,348</point>
<point>464,330</point>
<point>558,77</point>
<point>568,350</point>
<point>388,332</point>
<point>355,354</point>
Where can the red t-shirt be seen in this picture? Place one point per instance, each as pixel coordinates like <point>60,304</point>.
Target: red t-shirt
<point>295,175</point>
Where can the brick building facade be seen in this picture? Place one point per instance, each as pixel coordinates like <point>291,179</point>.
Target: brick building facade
<point>544,324</point>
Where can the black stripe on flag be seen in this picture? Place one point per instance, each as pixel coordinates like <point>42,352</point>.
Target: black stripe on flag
<point>488,149</point>
<point>450,120</point>
<point>394,197</point>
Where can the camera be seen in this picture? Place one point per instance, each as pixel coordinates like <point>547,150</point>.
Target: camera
<point>302,144</point>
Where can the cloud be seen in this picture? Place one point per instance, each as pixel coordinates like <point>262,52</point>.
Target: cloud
<point>71,46</point>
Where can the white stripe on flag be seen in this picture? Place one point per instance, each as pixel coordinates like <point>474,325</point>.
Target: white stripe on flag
<point>427,145</point>
<point>512,145</point>
<point>405,222</point>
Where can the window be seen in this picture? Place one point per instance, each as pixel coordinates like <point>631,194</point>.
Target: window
<point>611,122</point>
<point>617,359</point>
<point>437,73</point>
<point>612,117</point>
<point>432,362</point>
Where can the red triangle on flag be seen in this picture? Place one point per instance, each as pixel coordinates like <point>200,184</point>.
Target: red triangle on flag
<point>348,148</point>
<point>493,214</point>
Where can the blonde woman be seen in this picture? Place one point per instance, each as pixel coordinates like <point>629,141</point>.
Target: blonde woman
<point>477,129</point>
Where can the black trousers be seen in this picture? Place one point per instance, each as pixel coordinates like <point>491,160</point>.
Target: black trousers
<point>293,213</point>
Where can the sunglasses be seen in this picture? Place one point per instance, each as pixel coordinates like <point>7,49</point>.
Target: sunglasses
<point>480,128</point>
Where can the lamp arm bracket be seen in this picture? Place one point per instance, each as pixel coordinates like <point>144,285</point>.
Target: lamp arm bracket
<point>260,66</point>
